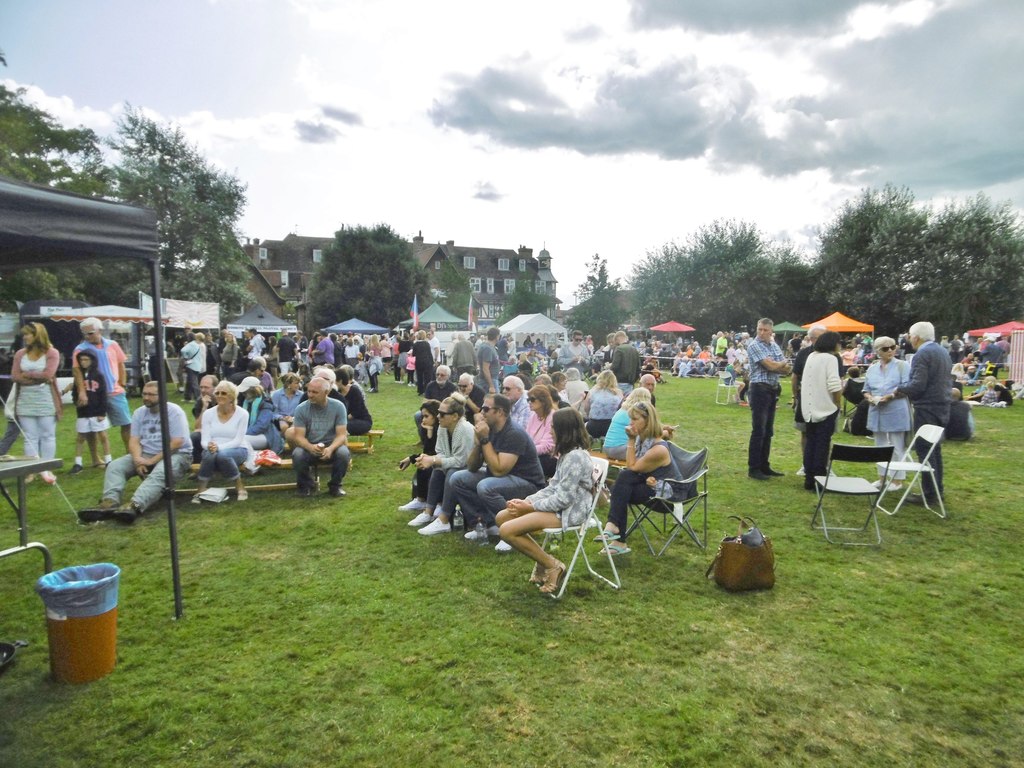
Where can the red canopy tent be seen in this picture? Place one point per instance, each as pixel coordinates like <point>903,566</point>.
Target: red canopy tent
<point>1003,330</point>
<point>672,327</point>
<point>840,323</point>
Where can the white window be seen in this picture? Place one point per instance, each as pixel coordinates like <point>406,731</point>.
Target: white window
<point>490,285</point>
<point>318,255</point>
<point>474,284</point>
<point>539,287</point>
<point>510,286</point>
<point>503,265</point>
<point>437,264</point>
<point>469,262</point>
<point>263,254</point>
<point>284,278</point>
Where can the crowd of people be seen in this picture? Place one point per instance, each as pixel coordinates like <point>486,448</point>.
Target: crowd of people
<point>505,432</point>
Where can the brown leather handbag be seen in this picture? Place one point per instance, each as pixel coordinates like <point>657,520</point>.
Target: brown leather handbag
<point>745,561</point>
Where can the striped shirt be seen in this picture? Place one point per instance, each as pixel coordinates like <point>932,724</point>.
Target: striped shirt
<point>109,357</point>
<point>757,351</point>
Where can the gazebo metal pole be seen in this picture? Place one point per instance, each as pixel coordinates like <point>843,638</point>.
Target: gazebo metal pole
<point>161,382</point>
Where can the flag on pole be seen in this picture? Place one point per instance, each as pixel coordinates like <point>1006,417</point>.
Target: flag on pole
<point>414,313</point>
<point>470,320</point>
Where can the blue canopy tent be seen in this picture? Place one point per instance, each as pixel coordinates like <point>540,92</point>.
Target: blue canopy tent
<point>355,325</point>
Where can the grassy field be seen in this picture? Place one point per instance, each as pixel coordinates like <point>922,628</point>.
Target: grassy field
<point>327,632</point>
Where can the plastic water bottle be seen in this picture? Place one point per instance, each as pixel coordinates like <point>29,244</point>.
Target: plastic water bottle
<point>458,522</point>
<point>480,533</point>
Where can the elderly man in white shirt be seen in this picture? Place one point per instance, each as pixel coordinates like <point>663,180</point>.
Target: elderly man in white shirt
<point>513,388</point>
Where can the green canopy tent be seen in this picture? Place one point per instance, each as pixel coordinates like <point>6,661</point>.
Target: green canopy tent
<point>440,317</point>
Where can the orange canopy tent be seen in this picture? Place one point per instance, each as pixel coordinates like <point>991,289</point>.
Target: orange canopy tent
<point>840,323</point>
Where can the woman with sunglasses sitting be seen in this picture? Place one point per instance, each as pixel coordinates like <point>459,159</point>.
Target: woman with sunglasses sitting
<point>223,441</point>
<point>648,460</point>
<point>564,503</point>
<point>538,426</point>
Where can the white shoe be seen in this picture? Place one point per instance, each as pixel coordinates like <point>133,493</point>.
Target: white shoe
<point>413,506</point>
<point>800,472</point>
<point>435,528</point>
<point>470,536</point>
<point>502,546</point>
<point>421,519</point>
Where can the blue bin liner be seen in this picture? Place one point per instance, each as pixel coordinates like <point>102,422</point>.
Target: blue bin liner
<point>80,591</point>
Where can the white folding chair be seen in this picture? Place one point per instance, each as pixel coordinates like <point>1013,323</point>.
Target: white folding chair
<point>931,434</point>
<point>580,531</point>
<point>726,385</point>
<point>844,485</point>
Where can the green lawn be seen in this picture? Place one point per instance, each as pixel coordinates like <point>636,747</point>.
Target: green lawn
<point>327,632</point>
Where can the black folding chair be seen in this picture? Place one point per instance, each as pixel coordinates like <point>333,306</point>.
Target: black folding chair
<point>845,485</point>
<point>671,516</point>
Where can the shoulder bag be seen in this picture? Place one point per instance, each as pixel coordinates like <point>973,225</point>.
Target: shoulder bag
<point>744,561</point>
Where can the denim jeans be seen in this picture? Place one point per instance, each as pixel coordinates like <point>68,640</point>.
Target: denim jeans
<point>930,480</point>
<point>122,469</point>
<point>763,400</point>
<point>482,495</point>
<point>225,461</point>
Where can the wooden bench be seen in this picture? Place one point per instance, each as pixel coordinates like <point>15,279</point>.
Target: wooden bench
<point>611,462</point>
<point>364,443</point>
<point>285,465</point>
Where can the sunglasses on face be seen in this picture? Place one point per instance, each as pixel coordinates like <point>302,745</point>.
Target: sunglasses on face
<point>531,399</point>
<point>506,389</point>
<point>485,409</point>
<point>444,413</point>
<point>887,349</point>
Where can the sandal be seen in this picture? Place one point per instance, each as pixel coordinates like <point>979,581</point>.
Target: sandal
<point>197,499</point>
<point>605,536</point>
<point>553,578</point>
<point>243,495</point>
<point>611,548</point>
<point>537,577</point>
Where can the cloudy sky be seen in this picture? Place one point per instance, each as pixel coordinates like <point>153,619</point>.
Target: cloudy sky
<point>588,126</point>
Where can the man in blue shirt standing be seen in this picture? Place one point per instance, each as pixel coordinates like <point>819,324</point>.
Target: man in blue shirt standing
<point>766,364</point>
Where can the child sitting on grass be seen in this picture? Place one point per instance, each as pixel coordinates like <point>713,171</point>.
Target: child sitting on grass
<point>92,417</point>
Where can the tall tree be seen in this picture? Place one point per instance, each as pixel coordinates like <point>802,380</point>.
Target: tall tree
<point>524,300</point>
<point>451,286</point>
<point>369,273</point>
<point>197,205</point>
<point>599,306</point>
<point>973,273</point>
<point>871,256</point>
<point>723,278</point>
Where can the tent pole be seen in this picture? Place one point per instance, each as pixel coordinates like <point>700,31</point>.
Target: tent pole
<point>165,428</point>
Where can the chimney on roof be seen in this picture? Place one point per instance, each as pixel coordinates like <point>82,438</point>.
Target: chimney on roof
<point>418,238</point>
<point>525,253</point>
<point>450,243</point>
<point>255,241</point>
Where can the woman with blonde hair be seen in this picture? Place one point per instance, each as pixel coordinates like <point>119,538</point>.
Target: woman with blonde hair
<point>648,459</point>
<point>36,405</point>
<point>616,439</point>
<point>888,416</point>
<point>600,404</point>
<point>223,439</point>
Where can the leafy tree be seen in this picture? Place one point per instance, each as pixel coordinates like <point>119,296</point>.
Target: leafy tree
<point>973,272</point>
<point>870,258</point>
<point>451,284</point>
<point>725,277</point>
<point>197,205</point>
<point>599,309</point>
<point>369,273</point>
<point>524,300</point>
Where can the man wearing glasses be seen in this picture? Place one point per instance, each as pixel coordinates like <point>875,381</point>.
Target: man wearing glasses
<point>515,390</point>
<point>574,355</point>
<point>110,359</point>
<point>145,460</point>
<point>503,465</point>
<point>473,394</point>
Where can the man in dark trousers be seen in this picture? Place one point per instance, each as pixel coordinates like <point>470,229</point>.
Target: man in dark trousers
<point>929,391</point>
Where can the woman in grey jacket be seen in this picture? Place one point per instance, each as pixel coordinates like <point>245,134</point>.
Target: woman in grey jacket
<point>564,503</point>
<point>454,444</point>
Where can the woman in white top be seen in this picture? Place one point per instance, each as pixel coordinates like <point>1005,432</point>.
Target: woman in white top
<point>37,404</point>
<point>223,441</point>
<point>821,391</point>
<point>455,441</point>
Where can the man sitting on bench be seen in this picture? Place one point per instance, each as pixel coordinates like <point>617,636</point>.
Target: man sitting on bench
<point>319,434</point>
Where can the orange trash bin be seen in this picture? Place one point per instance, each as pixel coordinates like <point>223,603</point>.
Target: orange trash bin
<point>81,620</point>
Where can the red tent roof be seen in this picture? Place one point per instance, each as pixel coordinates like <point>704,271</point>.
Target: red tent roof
<point>672,327</point>
<point>1003,330</point>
